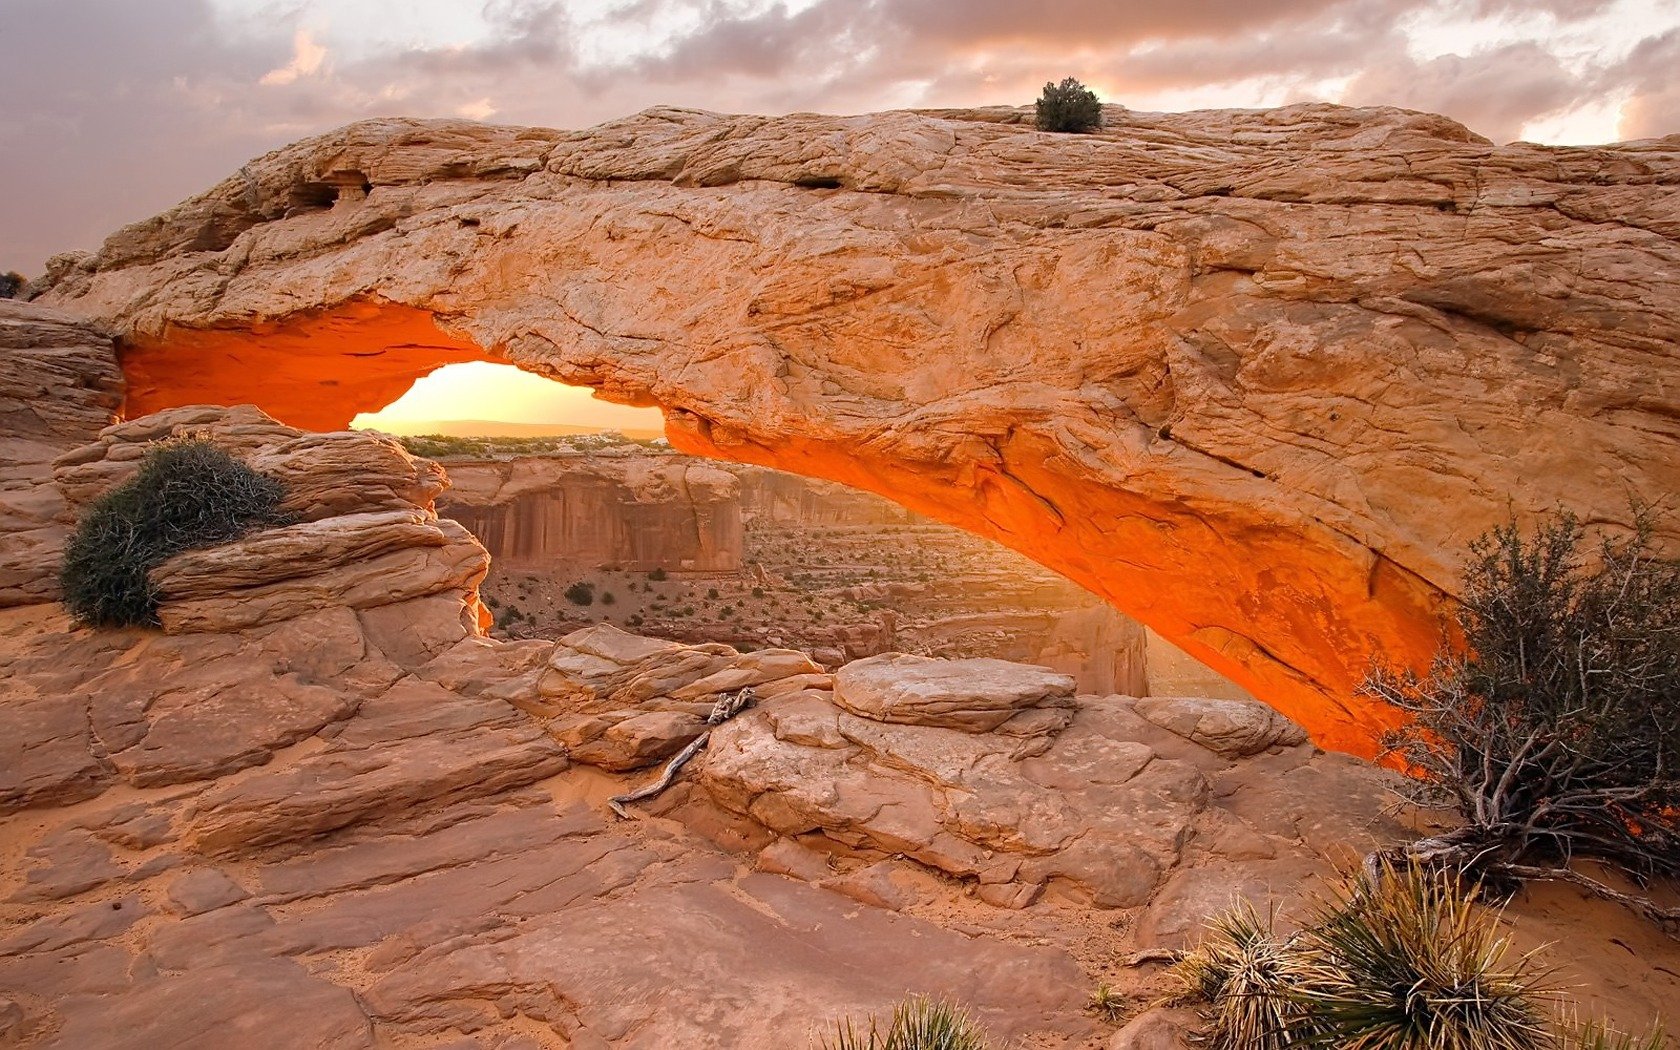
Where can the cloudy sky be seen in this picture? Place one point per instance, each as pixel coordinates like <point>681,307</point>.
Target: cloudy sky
<point>111,110</point>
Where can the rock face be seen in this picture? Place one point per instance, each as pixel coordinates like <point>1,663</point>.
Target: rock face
<point>322,817</point>
<point>635,513</point>
<point>59,384</point>
<point>266,641</point>
<point>621,701</point>
<point>1257,377</point>
<point>368,537</point>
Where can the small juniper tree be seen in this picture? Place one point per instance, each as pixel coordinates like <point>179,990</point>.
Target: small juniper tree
<point>187,494</point>
<point>1068,106</point>
<point>1555,732</point>
<point>11,284</point>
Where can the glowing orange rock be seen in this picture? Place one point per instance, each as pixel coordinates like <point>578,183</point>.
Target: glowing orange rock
<point>315,371</point>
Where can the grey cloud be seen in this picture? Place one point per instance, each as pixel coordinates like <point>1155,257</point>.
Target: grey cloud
<point>1493,92</point>
<point>1653,108</point>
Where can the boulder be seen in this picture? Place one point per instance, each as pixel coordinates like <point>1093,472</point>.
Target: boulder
<point>1231,728</point>
<point>985,807</point>
<point>975,696</point>
<point>1157,1028</point>
<point>361,561</point>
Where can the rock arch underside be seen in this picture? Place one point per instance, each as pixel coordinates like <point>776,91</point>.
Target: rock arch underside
<point>1255,377</point>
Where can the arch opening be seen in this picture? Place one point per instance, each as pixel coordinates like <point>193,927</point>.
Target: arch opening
<point>1292,612</point>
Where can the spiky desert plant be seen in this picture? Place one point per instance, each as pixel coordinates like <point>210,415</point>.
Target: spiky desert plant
<point>188,493</point>
<point>1409,960</point>
<point>1251,981</point>
<point>1108,1001</point>
<point>918,1023</point>
<point>1593,1034</point>
<point>1555,732</point>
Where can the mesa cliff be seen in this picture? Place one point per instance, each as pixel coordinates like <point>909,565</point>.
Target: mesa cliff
<point>1256,377</point>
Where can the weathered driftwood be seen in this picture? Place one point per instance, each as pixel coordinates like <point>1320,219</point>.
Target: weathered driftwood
<point>728,706</point>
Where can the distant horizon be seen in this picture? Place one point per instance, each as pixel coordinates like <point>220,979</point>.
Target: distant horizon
<point>495,428</point>
<point>516,403</point>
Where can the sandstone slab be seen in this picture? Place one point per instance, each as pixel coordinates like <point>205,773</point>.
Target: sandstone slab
<point>963,803</point>
<point>1232,728</point>
<point>972,695</point>
<point>452,749</point>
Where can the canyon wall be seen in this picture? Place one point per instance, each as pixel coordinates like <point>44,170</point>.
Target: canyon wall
<point>894,579</point>
<point>634,513</point>
<point>1256,377</point>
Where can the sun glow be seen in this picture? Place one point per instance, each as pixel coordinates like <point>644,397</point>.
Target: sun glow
<point>501,400</point>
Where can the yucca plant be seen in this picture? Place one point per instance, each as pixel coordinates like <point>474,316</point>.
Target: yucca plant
<point>1409,961</point>
<point>918,1023</point>
<point>1107,1001</point>
<point>1251,981</point>
<point>1577,1034</point>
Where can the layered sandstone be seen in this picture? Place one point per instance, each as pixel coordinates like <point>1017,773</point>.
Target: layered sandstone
<point>59,384</point>
<point>1256,377</point>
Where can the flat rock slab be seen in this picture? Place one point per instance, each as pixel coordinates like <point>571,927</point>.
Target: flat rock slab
<point>758,961</point>
<point>430,747</point>
<point>976,696</point>
<point>1232,728</point>
<point>257,1003</point>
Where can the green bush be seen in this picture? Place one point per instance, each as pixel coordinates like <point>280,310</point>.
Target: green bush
<point>187,494</point>
<point>581,594</point>
<point>11,284</point>
<point>1068,106</point>
<point>917,1023</point>
<point>658,573</point>
<point>1555,732</point>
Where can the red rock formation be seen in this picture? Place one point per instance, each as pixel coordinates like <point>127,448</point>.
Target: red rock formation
<point>1255,377</point>
<point>314,370</point>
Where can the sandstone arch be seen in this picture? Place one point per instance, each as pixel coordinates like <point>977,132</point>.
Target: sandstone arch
<point>1256,377</point>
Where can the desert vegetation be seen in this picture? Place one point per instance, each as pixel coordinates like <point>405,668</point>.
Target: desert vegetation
<point>917,1023</point>
<point>188,493</point>
<point>1068,107</point>
<point>11,284</point>
<point>445,446</point>
<point>1553,734</point>
<point>1406,959</point>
